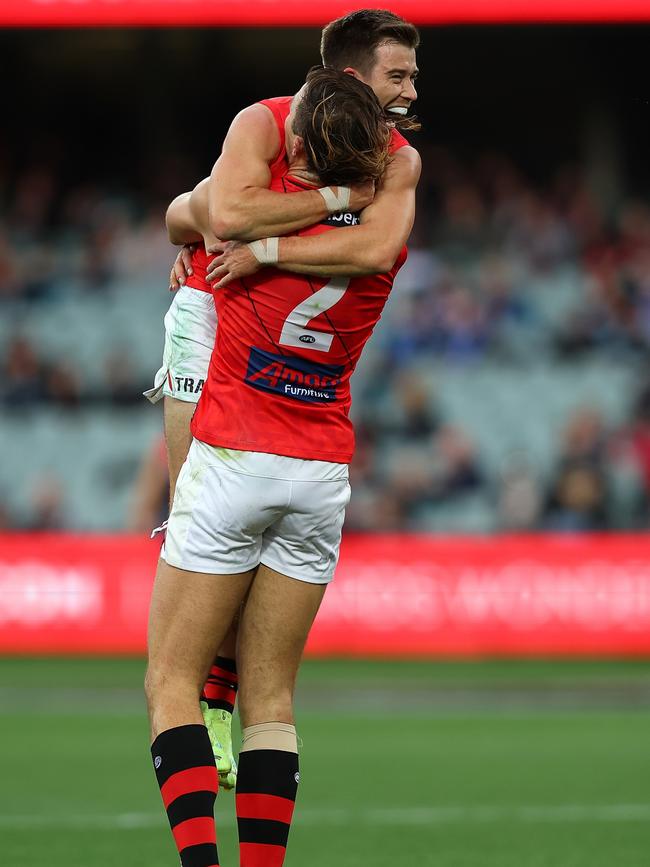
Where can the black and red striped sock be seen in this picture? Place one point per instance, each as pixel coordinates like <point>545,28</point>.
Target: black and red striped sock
<point>188,781</point>
<point>220,690</point>
<point>267,784</point>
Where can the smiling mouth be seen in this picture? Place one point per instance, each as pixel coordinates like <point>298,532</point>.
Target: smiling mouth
<point>398,109</point>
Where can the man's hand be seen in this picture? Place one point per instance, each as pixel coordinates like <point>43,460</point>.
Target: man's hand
<point>234,259</point>
<point>182,267</point>
<point>361,195</point>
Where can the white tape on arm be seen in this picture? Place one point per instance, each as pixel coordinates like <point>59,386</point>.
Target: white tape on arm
<point>265,251</point>
<point>334,202</point>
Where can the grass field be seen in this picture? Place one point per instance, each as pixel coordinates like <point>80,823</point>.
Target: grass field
<point>508,764</point>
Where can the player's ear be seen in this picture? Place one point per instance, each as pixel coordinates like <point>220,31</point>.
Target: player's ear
<point>298,147</point>
<point>350,70</point>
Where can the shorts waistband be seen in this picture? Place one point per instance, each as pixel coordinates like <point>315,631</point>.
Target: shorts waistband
<point>270,466</point>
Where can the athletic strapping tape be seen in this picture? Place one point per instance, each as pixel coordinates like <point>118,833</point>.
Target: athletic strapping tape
<point>334,202</point>
<point>265,251</point>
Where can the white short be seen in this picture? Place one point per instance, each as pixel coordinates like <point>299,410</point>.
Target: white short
<point>233,510</point>
<point>190,329</point>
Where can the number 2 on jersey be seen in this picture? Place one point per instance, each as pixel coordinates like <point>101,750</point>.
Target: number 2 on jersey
<point>295,331</point>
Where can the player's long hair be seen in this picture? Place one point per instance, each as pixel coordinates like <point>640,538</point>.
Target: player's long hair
<point>344,129</point>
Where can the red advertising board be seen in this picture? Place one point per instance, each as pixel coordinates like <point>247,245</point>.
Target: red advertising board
<point>392,595</point>
<point>168,13</point>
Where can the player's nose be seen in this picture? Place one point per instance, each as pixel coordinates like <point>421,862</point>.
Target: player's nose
<point>409,91</point>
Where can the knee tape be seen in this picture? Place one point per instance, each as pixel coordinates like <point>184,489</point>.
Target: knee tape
<point>270,736</point>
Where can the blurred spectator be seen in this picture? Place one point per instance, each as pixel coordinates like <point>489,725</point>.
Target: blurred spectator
<point>632,451</point>
<point>22,375</point>
<point>150,498</point>
<point>418,478</point>
<point>10,286</point>
<point>411,415</point>
<point>145,248</point>
<point>407,478</point>
<point>46,510</point>
<point>588,326</point>
<point>460,233</point>
<point>540,233</point>
<point>62,386</point>
<point>38,270</point>
<point>519,497</point>
<point>578,500</point>
<point>461,325</point>
<point>375,510</point>
<point>455,467</point>
<point>584,439</point>
<point>418,417</point>
<point>578,492</point>
<point>121,385</point>
<point>497,282</point>
<point>413,328</point>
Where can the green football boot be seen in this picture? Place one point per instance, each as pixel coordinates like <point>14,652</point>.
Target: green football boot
<point>219,725</point>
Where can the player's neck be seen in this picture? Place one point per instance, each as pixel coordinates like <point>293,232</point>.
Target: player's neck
<point>296,159</point>
<point>298,169</point>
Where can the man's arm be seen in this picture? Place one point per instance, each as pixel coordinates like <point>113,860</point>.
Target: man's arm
<point>369,248</point>
<point>187,224</point>
<point>241,207</point>
<point>373,246</point>
<point>181,218</point>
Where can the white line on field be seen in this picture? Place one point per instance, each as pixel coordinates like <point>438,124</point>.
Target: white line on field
<point>562,813</point>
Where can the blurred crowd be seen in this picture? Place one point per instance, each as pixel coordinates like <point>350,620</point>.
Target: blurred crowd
<point>404,472</point>
<point>86,237</point>
<point>492,237</point>
<point>31,378</point>
<point>80,243</point>
<point>502,269</point>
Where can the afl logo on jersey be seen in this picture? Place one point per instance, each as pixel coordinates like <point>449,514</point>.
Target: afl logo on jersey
<point>307,338</point>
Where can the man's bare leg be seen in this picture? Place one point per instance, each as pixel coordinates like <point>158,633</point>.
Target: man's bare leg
<point>218,698</point>
<point>275,624</point>
<point>178,437</point>
<point>189,616</point>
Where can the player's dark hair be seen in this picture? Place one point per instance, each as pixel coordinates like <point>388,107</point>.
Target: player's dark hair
<point>343,127</point>
<point>353,39</point>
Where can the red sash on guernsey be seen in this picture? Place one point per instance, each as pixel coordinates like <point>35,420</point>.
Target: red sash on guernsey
<point>287,345</point>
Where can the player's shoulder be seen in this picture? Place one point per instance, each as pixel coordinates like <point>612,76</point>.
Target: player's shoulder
<point>266,111</point>
<point>277,103</point>
<point>405,165</point>
<point>256,123</point>
<point>258,114</point>
<point>401,145</point>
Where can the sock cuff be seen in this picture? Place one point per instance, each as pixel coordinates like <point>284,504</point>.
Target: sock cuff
<point>227,664</point>
<point>270,736</point>
<point>268,772</point>
<point>180,749</point>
